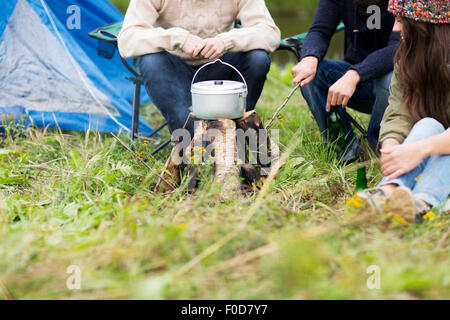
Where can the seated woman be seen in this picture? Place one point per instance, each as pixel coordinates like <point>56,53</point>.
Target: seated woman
<point>415,135</point>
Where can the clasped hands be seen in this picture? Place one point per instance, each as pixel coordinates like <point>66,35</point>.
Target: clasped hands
<point>210,48</point>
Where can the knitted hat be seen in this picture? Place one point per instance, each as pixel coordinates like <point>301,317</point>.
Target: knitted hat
<point>432,11</point>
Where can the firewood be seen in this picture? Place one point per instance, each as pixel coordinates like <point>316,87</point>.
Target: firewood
<point>218,139</point>
<point>253,127</point>
<point>196,154</point>
<point>250,173</point>
<point>173,164</point>
<point>225,152</point>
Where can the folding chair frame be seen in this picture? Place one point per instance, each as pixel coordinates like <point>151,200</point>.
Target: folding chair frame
<point>108,34</point>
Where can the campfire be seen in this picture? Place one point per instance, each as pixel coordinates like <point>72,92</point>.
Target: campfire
<point>241,152</point>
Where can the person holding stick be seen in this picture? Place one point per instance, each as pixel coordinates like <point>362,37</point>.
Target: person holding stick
<point>361,81</point>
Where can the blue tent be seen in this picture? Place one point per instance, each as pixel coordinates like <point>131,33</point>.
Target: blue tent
<point>49,65</point>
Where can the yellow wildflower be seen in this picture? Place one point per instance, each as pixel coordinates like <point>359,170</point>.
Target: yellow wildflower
<point>182,226</point>
<point>400,219</point>
<point>355,202</point>
<point>202,149</point>
<point>429,216</point>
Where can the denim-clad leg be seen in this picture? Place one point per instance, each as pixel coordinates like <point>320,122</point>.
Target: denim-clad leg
<point>168,80</point>
<point>430,181</point>
<point>371,97</point>
<point>381,101</point>
<point>254,66</point>
<point>316,93</point>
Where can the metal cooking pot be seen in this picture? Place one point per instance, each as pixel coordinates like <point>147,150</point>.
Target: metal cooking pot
<point>219,99</point>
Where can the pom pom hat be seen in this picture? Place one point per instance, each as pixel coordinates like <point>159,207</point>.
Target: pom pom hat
<point>428,11</point>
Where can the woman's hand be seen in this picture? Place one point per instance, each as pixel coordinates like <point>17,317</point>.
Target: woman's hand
<point>390,142</point>
<point>400,159</point>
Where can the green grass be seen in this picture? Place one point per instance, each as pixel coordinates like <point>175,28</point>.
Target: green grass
<point>81,199</point>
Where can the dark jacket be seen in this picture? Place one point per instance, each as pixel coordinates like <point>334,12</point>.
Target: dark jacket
<point>371,52</point>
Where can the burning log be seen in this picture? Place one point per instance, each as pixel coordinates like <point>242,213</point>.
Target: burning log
<point>240,151</point>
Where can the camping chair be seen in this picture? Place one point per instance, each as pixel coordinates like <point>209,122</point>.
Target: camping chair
<point>107,46</point>
<point>294,45</point>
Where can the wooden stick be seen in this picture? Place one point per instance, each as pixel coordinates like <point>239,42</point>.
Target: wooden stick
<point>174,164</point>
<point>282,106</point>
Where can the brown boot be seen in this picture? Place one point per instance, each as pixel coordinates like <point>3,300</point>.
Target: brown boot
<point>372,199</point>
<point>401,204</point>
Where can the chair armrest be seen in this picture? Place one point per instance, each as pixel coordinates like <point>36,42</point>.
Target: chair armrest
<point>296,42</point>
<point>108,33</point>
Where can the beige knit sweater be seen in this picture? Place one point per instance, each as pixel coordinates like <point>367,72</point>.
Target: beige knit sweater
<point>152,26</point>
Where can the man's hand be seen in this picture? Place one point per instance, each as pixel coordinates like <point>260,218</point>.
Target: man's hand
<point>340,93</point>
<point>210,48</point>
<point>305,71</point>
<point>191,43</point>
<point>401,158</point>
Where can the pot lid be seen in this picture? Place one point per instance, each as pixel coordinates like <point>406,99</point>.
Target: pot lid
<point>218,87</point>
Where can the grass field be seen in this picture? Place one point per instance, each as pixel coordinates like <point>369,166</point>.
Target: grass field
<point>81,199</point>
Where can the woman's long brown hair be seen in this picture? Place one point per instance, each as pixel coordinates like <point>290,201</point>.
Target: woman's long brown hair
<point>422,68</point>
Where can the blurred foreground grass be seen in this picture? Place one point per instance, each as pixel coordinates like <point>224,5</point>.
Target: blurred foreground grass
<point>81,199</point>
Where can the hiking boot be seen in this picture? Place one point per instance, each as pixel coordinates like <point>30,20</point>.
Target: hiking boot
<point>402,205</point>
<point>373,199</point>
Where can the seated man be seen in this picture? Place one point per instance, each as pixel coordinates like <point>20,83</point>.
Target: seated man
<point>362,80</point>
<point>175,38</point>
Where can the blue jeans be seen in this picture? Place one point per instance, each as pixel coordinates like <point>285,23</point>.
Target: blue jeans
<point>371,97</point>
<point>430,181</point>
<point>168,78</point>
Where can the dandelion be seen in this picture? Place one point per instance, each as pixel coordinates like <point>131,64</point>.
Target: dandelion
<point>202,149</point>
<point>182,226</point>
<point>400,219</point>
<point>355,202</point>
<point>429,216</point>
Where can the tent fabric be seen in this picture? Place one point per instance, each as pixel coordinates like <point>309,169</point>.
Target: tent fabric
<point>16,114</point>
<point>53,70</point>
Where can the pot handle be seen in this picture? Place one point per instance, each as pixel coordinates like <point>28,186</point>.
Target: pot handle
<point>224,63</point>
